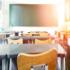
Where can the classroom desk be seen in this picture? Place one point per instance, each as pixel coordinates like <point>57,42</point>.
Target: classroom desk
<point>32,39</point>
<point>14,49</point>
<point>29,39</point>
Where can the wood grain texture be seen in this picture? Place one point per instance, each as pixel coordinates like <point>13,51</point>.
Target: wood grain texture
<point>25,61</point>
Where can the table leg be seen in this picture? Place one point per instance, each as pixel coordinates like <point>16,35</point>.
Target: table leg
<point>12,65</point>
<point>58,63</point>
<point>63,63</point>
<point>4,64</point>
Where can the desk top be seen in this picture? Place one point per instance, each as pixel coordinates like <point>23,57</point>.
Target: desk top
<point>11,49</point>
<point>28,37</point>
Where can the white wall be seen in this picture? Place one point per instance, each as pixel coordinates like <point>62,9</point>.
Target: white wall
<point>5,13</point>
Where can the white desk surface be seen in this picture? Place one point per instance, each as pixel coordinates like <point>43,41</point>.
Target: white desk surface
<point>11,49</point>
<point>28,37</point>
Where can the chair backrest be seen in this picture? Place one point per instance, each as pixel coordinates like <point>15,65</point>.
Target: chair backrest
<point>48,41</point>
<point>25,61</point>
<point>38,33</point>
<point>44,34</point>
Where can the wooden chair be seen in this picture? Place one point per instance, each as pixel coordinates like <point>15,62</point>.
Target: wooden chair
<point>48,41</point>
<point>25,61</point>
<point>38,33</point>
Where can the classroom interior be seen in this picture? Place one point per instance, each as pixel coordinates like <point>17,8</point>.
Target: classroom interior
<point>34,36</point>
